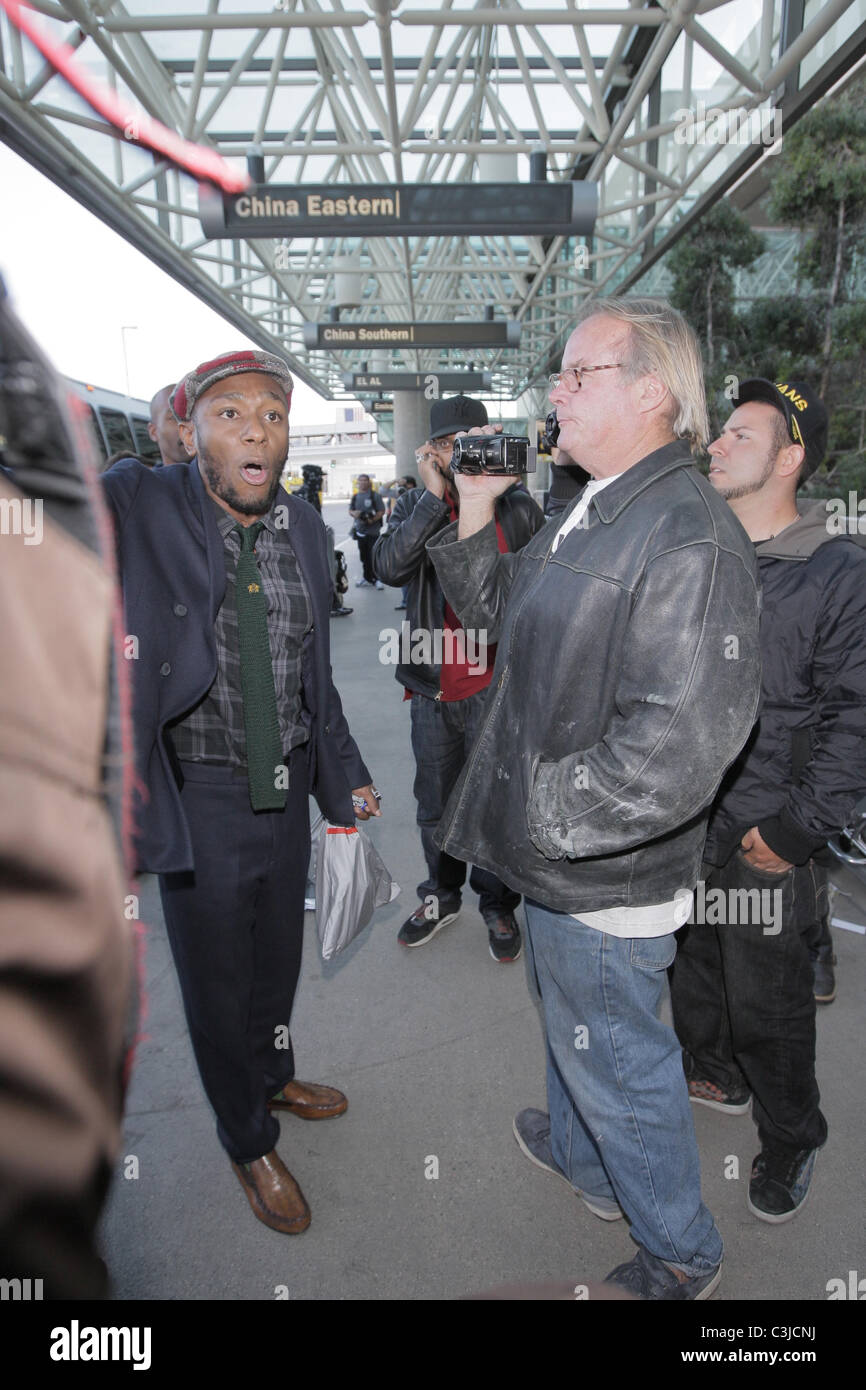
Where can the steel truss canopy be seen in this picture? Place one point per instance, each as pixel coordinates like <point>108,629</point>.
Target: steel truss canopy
<point>661,107</point>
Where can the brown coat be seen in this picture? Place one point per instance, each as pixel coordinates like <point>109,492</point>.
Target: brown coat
<point>65,941</point>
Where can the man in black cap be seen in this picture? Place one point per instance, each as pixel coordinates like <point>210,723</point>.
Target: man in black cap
<point>446,673</point>
<point>226,591</point>
<point>742,982</point>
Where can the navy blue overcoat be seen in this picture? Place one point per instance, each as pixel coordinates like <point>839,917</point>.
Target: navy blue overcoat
<point>172,567</point>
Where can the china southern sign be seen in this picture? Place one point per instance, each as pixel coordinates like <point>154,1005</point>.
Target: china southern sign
<point>341,336</point>
<point>431,383</point>
<point>400,209</point>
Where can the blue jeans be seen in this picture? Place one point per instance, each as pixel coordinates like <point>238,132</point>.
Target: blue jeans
<point>621,1123</point>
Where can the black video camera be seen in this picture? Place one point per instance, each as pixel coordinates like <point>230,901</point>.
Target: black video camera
<point>493,453</point>
<point>550,436</point>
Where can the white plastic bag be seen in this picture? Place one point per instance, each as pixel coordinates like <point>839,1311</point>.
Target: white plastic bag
<point>351,882</point>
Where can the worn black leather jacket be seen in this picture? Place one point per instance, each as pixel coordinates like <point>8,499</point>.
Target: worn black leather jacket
<point>400,557</point>
<point>627,679</point>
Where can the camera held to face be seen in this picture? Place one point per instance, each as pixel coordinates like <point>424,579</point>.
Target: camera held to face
<point>551,433</point>
<point>511,454</point>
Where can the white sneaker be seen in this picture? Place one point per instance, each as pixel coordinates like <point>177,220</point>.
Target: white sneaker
<point>363,584</point>
<point>379,584</point>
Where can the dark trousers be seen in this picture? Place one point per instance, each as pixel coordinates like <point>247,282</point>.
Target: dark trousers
<point>235,926</point>
<point>442,738</point>
<point>365,550</point>
<point>742,996</point>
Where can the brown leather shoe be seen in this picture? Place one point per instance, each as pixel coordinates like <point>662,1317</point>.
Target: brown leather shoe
<point>273,1194</point>
<point>309,1101</point>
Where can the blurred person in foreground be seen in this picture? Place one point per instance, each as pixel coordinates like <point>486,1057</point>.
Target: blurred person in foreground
<point>743,990</point>
<point>617,709</point>
<point>67,980</point>
<point>227,590</point>
<point>448,685</point>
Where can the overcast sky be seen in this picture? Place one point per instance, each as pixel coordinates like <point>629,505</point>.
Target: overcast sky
<point>75,283</point>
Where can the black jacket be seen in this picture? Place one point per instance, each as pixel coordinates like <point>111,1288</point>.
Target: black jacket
<point>626,681</point>
<point>174,578</point>
<point>400,558</point>
<point>804,767</point>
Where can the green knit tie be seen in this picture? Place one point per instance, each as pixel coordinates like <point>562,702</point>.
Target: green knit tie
<point>264,753</point>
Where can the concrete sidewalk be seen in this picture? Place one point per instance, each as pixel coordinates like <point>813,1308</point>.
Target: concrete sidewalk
<point>436,1048</point>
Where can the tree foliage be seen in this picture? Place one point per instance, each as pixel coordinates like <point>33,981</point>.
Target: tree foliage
<point>819,185</point>
<point>819,334</point>
<point>702,266</point>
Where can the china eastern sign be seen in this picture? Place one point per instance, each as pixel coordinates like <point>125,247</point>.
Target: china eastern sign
<point>431,383</point>
<point>341,336</point>
<point>400,209</point>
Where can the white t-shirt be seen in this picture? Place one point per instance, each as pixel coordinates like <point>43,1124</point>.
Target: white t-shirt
<point>576,517</point>
<point>659,919</point>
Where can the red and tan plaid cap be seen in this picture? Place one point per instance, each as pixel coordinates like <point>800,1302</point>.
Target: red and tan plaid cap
<point>195,383</point>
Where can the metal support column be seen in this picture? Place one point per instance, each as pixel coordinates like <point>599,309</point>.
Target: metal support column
<point>411,428</point>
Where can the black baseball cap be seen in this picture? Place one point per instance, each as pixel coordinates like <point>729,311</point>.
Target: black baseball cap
<point>454,415</point>
<point>803,409</point>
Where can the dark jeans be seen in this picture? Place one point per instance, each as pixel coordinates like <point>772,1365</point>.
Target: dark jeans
<point>442,737</point>
<point>365,550</point>
<point>235,926</point>
<point>742,995</point>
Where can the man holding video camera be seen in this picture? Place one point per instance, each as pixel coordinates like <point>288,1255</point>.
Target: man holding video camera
<point>627,679</point>
<point>448,697</point>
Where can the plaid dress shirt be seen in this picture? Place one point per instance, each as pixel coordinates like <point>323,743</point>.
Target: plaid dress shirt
<point>214,732</point>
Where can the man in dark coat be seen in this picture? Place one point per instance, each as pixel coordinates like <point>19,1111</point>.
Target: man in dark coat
<point>446,673</point>
<point>743,984</point>
<point>227,592</point>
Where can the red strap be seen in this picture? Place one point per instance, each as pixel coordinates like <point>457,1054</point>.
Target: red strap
<point>342,830</point>
<point>139,128</point>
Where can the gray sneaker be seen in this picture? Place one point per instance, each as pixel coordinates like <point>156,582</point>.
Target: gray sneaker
<point>532,1132</point>
<point>648,1277</point>
<point>779,1184</point>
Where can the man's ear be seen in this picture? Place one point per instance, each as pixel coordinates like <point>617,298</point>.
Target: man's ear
<point>653,393</point>
<point>186,430</point>
<point>790,460</point>
<point>152,431</point>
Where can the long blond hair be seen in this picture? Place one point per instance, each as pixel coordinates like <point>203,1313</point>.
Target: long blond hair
<point>662,343</point>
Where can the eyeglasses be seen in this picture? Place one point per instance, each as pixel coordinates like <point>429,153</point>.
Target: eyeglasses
<point>447,442</point>
<point>571,377</point>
